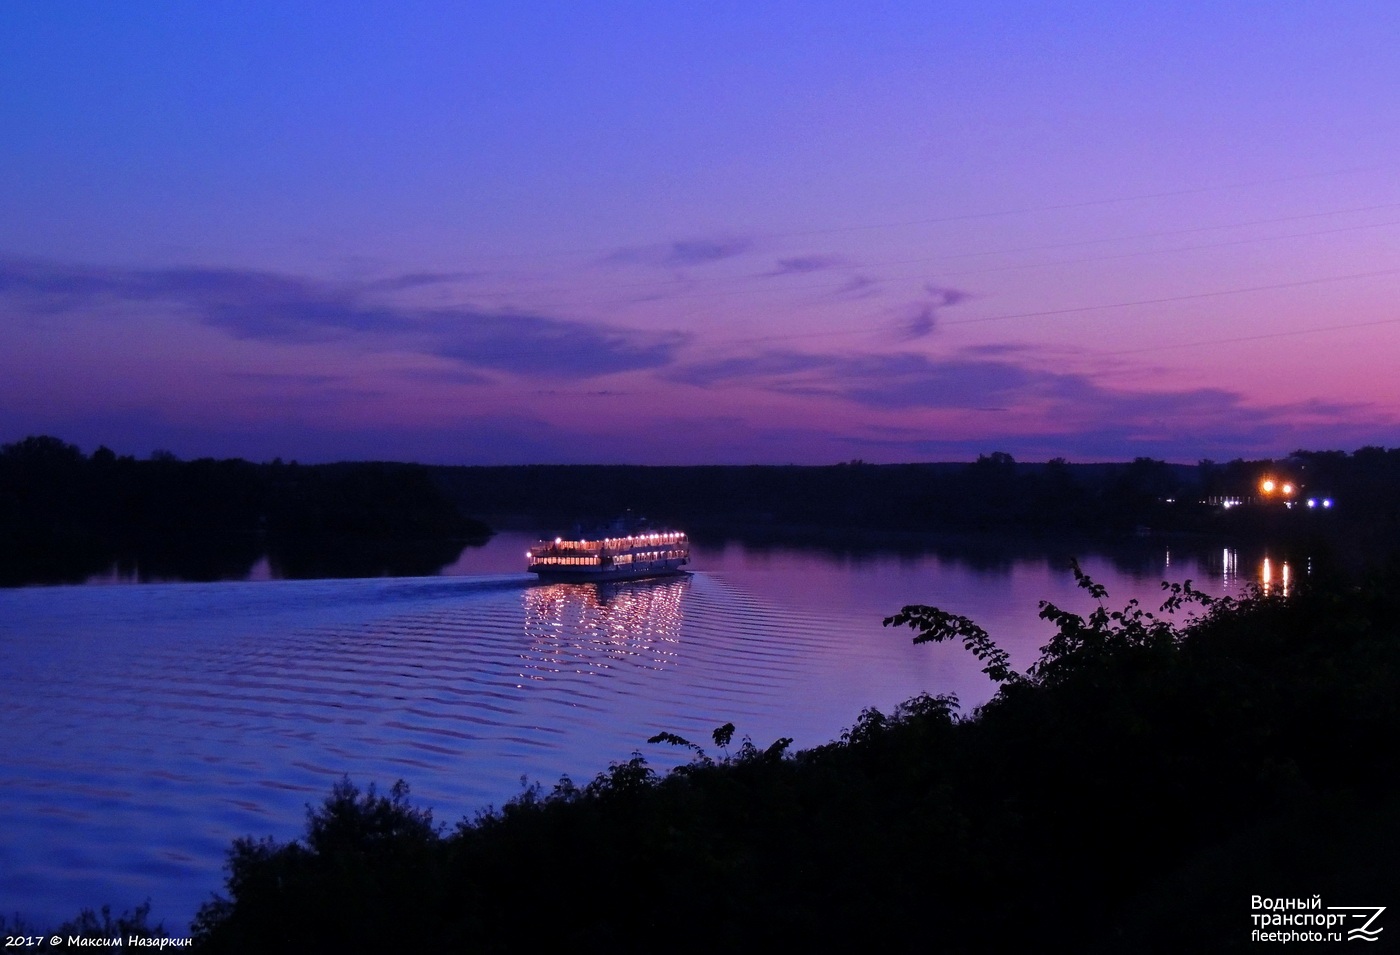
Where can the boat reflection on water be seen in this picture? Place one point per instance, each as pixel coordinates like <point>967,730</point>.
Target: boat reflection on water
<point>603,626</point>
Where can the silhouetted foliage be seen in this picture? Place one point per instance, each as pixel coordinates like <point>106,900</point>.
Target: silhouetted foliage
<point>994,494</point>
<point>65,517</point>
<point>101,926</point>
<point>366,856</point>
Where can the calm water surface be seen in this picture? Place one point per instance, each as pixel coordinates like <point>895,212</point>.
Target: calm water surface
<point>146,726</point>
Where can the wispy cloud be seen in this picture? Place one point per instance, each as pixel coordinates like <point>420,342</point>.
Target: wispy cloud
<point>857,286</point>
<point>903,381</point>
<point>683,252</point>
<point>995,350</point>
<point>276,308</point>
<point>900,380</point>
<point>803,265</point>
<point>924,319</point>
<point>412,280</point>
<point>526,344</point>
<point>284,378</point>
<point>700,251</point>
<point>765,369</point>
<point>921,324</point>
<point>1039,412</point>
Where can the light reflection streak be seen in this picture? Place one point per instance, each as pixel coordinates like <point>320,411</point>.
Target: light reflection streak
<point>1230,568</point>
<point>1271,576</point>
<point>592,628</point>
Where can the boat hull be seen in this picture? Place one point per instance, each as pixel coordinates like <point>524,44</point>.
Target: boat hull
<point>588,575</point>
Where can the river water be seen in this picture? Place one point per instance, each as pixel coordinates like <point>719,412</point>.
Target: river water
<point>148,725</point>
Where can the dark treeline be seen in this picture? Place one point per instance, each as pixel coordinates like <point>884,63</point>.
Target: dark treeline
<point>994,493</point>
<point>1132,792</point>
<point>65,515</point>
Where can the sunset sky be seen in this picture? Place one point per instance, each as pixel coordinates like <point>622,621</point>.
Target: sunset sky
<point>667,233</point>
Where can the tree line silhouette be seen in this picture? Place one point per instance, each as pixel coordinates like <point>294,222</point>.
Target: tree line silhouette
<point>995,493</point>
<point>65,516</point>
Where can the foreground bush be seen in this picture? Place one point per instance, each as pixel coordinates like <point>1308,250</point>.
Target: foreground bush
<point>1131,791</point>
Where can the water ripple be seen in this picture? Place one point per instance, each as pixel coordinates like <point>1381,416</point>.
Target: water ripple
<point>148,726</point>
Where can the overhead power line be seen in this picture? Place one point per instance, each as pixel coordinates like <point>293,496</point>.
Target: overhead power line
<point>1315,330</point>
<point>1190,296</point>
<point>1079,309</point>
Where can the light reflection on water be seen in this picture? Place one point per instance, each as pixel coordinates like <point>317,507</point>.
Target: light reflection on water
<point>146,726</point>
<point>1275,579</point>
<point>1271,575</point>
<point>585,627</point>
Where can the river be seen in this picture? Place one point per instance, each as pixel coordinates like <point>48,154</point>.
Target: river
<point>148,725</point>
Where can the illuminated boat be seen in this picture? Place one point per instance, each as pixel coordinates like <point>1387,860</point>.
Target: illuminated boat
<point>614,554</point>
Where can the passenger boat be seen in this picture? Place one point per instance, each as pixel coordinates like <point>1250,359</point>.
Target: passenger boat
<point>618,553</point>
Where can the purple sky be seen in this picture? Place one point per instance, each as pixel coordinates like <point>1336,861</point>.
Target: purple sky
<point>667,233</point>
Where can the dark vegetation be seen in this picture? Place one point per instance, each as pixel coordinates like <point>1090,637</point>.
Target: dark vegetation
<point>90,924</point>
<point>993,494</point>
<point>65,516</point>
<point>1131,792</point>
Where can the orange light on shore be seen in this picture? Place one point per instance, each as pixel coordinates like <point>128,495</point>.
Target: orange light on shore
<point>1270,486</point>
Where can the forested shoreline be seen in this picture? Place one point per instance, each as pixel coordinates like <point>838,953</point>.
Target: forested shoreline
<point>995,493</point>
<point>65,516</point>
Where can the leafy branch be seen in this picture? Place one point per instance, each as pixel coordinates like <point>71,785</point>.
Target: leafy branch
<point>936,626</point>
<point>723,736</point>
<point>1078,640</point>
